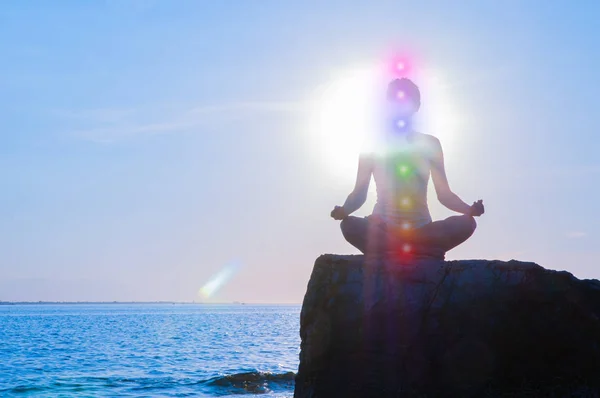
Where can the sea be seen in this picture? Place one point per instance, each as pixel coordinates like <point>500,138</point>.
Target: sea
<point>148,350</point>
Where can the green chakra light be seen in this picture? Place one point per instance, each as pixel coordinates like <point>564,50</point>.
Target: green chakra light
<point>403,170</point>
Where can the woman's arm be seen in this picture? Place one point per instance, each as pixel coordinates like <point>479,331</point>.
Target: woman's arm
<point>440,181</point>
<point>358,196</point>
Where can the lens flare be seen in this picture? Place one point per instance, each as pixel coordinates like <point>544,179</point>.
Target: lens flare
<point>346,116</point>
<point>400,124</point>
<point>218,280</point>
<point>400,66</point>
<point>403,170</point>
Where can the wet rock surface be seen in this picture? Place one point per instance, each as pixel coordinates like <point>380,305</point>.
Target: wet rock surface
<point>376,328</point>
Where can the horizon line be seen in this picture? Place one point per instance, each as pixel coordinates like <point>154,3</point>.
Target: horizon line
<point>143,302</point>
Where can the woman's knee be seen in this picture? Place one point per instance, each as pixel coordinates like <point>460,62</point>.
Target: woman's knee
<point>348,225</point>
<point>469,225</point>
<point>465,224</point>
<point>354,228</point>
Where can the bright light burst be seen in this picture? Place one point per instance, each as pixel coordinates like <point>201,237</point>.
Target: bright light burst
<point>440,115</point>
<point>218,280</point>
<point>344,117</point>
<point>348,115</point>
<point>400,65</point>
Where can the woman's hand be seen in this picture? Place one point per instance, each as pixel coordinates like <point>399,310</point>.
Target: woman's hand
<point>477,209</point>
<point>338,213</point>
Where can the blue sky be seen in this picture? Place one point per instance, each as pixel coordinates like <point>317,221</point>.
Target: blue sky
<point>148,145</point>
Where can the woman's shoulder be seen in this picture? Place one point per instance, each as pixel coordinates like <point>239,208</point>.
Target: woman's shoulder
<point>426,138</point>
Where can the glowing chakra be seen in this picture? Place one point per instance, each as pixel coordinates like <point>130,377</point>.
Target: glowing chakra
<point>405,226</point>
<point>403,169</point>
<point>406,248</point>
<point>400,94</point>
<point>400,65</point>
<point>401,123</point>
<point>405,202</point>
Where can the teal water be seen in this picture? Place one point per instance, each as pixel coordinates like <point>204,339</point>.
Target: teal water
<point>150,350</point>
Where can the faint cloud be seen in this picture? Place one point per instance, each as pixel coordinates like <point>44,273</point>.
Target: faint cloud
<point>256,106</point>
<point>107,125</point>
<point>570,171</point>
<point>484,75</point>
<point>100,115</point>
<point>574,171</point>
<point>575,234</point>
<point>111,134</point>
<point>133,5</point>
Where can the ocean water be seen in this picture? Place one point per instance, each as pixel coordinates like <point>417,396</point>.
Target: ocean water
<point>148,350</point>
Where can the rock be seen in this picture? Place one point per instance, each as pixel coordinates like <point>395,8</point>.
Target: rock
<point>431,328</point>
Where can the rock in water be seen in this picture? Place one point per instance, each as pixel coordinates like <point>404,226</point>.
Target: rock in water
<point>374,328</point>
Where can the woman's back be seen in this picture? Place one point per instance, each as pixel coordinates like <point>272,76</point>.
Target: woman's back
<point>401,169</point>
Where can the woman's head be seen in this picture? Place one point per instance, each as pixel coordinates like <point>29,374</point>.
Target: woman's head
<point>404,96</point>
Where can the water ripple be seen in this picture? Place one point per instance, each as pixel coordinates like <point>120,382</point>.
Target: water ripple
<point>148,350</point>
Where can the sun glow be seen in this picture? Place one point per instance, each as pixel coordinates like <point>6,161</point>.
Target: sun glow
<point>344,117</point>
<point>349,111</point>
<point>440,115</point>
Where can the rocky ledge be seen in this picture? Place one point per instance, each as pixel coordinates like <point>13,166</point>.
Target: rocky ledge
<point>375,328</point>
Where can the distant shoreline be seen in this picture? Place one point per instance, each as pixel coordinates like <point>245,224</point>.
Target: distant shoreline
<point>132,302</point>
